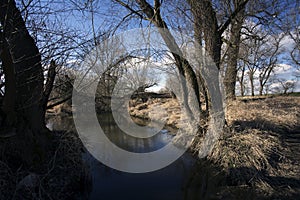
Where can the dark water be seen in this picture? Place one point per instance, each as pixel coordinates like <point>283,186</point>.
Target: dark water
<point>167,183</point>
<point>130,143</point>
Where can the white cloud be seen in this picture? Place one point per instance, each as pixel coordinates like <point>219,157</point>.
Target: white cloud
<point>287,43</point>
<point>155,88</point>
<point>283,68</point>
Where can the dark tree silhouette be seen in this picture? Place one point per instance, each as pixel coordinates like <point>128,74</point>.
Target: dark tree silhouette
<point>25,99</point>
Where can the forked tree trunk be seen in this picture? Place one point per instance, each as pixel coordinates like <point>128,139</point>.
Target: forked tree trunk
<point>206,28</point>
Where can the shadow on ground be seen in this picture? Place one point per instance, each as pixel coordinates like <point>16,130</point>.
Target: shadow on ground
<point>248,182</point>
<point>208,181</point>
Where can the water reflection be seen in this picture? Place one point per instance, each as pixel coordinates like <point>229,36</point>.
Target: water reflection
<point>107,183</point>
<point>130,143</point>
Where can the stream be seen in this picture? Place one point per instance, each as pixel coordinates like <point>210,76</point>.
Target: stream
<point>108,183</point>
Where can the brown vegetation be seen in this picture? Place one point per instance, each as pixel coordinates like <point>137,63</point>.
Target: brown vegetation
<point>169,111</point>
<point>61,175</point>
<point>260,151</point>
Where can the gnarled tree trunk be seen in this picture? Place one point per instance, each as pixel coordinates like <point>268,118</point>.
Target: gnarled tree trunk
<point>23,104</point>
<point>24,72</point>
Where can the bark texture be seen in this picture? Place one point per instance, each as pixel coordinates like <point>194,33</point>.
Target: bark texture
<point>23,69</point>
<point>233,53</point>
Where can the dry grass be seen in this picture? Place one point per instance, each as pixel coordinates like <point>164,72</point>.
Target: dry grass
<point>251,148</point>
<point>255,152</point>
<point>167,110</point>
<point>259,150</point>
<point>61,176</point>
<point>280,111</point>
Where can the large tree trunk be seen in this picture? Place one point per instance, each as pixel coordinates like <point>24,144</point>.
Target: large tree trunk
<point>23,105</point>
<point>10,86</point>
<point>233,52</point>
<point>205,18</point>
<point>206,23</point>
<point>23,67</point>
<point>198,38</point>
<point>204,14</point>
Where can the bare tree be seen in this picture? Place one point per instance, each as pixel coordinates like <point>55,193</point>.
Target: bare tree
<point>250,56</point>
<point>56,40</point>
<point>208,29</point>
<point>266,14</point>
<point>260,54</point>
<point>290,26</point>
<point>269,58</point>
<point>285,86</point>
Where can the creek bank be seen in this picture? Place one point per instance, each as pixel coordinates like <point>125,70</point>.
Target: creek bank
<point>60,175</point>
<point>165,110</point>
<point>254,155</point>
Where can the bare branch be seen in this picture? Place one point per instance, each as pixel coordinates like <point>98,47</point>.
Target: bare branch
<point>129,8</point>
<point>240,7</point>
<point>157,5</point>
